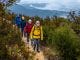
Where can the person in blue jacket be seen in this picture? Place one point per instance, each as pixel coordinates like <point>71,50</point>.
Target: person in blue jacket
<point>23,23</point>
<point>18,21</point>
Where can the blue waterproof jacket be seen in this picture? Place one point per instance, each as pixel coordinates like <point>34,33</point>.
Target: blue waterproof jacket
<point>18,21</point>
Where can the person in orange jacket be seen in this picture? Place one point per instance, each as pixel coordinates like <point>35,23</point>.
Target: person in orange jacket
<point>36,35</point>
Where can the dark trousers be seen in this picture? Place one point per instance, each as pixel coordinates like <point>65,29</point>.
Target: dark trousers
<point>36,44</point>
<point>22,31</point>
<point>27,35</point>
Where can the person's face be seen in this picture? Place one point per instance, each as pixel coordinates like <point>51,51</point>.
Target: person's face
<point>37,23</point>
<point>22,18</point>
<point>29,22</point>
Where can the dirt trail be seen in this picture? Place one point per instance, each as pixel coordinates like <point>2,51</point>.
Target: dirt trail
<point>38,56</point>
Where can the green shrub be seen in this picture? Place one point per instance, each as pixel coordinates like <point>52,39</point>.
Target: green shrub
<point>67,43</point>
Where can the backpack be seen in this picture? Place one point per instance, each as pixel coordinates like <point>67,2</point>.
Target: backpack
<point>37,31</point>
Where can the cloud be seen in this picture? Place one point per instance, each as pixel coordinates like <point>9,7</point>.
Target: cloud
<point>54,4</point>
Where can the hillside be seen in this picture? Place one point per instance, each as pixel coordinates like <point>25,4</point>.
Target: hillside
<point>31,11</point>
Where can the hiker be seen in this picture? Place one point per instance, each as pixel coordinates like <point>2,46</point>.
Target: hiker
<point>18,21</point>
<point>27,29</point>
<point>23,23</point>
<point>36,35</point>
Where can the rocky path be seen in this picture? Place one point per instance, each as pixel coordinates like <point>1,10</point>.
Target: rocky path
<point>38,56</point>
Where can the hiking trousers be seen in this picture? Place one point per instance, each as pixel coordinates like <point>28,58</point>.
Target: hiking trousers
<point>27,35</point>
<point>36,44</point>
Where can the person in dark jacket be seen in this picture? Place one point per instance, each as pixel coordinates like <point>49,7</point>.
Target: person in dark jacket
<point>18,21</point>
<point>28,28</point>
<point>23,23</point>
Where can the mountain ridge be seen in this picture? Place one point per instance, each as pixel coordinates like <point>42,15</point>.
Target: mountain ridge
<point>31,11</point>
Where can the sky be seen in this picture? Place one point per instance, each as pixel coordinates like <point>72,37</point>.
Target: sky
<point>54,4</point>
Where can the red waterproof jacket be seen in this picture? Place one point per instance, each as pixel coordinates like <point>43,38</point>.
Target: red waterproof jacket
<point>28,27</point>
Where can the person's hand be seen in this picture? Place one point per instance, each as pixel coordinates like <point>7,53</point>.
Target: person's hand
<point>13,26</point>
<point>41,38</point>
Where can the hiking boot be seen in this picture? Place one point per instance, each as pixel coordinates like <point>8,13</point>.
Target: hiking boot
<point>38,50</point>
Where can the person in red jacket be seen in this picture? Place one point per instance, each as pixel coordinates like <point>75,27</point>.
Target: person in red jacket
<point>27,29</point>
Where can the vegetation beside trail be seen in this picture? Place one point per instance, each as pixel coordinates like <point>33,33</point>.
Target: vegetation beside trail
<point>11,45</point>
